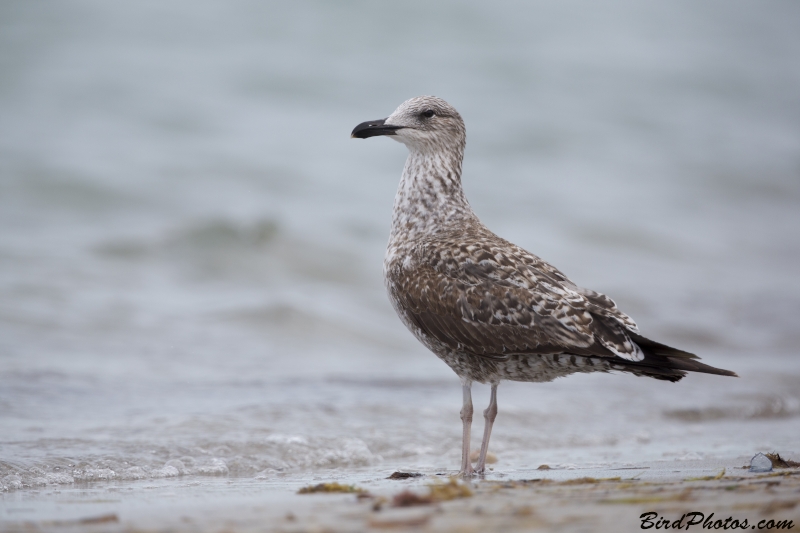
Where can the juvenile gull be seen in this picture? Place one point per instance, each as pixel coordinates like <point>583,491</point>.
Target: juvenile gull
<point>486,307</point>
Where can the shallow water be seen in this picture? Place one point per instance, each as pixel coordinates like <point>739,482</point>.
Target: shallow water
<point>191,245</point>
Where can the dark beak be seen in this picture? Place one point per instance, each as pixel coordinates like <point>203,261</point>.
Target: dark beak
<point>373,128</point>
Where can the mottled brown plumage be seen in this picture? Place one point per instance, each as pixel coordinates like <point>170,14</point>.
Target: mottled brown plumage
<point>489,309</point>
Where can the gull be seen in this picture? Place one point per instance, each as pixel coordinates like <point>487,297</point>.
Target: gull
<point>486,307</point>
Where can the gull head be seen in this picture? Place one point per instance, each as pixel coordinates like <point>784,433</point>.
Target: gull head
<point>421,123</point>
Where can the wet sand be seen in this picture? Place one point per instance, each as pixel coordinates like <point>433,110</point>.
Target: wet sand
<point>542,500</point>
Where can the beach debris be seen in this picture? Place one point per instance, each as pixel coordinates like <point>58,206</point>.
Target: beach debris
<point>491,458</point>
<point>760,463</point>
<point>780,462</point>
<point>409,498</point>
<point>102,519</point>
<point>451,490</point>
<point>404,475</point>
<point>330,487</point>
<point>437,492</point>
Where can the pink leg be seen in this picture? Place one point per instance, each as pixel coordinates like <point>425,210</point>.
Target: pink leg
<point>466,418</point>
<point>489,415</point>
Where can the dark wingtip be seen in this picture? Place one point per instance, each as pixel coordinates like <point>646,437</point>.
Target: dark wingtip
<point>664,362</point>
<point>676,358</point>
<point>696,366</point>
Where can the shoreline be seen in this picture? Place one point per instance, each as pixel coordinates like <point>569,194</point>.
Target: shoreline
<point>579,499</point>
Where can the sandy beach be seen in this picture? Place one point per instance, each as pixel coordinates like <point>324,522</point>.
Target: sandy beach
<point>603,500</point>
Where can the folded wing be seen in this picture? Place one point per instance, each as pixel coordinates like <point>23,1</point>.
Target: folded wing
<point>491,298</point>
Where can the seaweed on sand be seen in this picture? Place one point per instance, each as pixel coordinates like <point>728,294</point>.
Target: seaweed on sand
<point>780,462</point>
<point>330,487</point>
<point>437,492</point>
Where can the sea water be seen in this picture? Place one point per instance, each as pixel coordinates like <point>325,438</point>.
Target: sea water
<point>191,244</point>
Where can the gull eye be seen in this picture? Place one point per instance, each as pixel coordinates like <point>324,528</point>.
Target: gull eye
<point>427,114</point>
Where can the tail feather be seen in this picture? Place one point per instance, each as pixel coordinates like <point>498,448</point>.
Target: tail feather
<point>667,363</point>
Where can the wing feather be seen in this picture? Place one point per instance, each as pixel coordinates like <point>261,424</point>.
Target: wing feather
<point>484,295</point>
